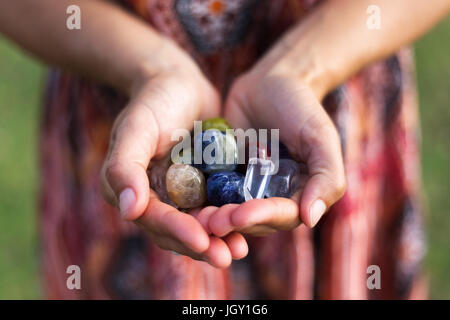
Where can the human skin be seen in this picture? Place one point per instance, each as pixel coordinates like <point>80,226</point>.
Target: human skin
<point>168,91</point>
<point>286,87</point>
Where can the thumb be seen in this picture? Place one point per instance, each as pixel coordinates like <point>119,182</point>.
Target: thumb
<point>326,183</point>
<point>133,143</point>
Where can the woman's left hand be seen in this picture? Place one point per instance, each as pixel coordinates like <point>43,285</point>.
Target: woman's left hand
<point>273,98</point>
<point>284,89</point>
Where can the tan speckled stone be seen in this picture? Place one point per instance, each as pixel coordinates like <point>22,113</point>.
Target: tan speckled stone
<point>186,186</point>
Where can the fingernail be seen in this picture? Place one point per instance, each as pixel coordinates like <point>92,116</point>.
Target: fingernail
<point>126,200</point>
<point>316,211</point>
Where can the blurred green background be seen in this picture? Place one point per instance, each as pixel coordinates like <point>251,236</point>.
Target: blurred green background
<point>21,84</point>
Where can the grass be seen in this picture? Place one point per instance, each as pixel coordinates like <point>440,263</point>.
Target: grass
<point>20,92</point>
<point>20,96</point>
<point>433,67</point>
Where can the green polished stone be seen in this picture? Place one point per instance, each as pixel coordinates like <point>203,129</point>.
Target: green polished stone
<point>216,123</point>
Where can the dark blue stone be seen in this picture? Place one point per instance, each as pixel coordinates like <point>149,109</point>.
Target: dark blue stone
<point>284,152</point>
<point>225,187</point>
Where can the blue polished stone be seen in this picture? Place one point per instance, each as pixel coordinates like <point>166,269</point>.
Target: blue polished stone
<point>207,143</point>
<point>283,152</point>
<point>225,187</point>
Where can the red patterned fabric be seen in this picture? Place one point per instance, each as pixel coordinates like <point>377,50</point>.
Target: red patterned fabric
<point>378,221</point>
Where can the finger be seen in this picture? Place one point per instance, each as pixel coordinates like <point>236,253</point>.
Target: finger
<point>218,253</point>
<point>276,213</point>
<point>327,182</point>
<point>204,215</point>
<point>124,178</point>
<point>220,220</point>
<point>237,244</point>
<point>235,241</point>
<point>175,246</point>
<point>258,231</point>
<point>165,220</point>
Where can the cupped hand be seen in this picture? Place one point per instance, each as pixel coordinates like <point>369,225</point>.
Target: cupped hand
<point>166,98</point>
<point>272,98</point>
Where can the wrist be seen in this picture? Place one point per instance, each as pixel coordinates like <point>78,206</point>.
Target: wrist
<point>166,58</point>
<point>307,69</point>
<point>297,64</point>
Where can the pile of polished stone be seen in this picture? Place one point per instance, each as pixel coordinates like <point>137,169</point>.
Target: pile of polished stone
<point>186,184</point>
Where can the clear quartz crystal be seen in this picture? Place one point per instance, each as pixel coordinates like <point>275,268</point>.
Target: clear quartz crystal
<point>286,181</point>
<point>257,178</point>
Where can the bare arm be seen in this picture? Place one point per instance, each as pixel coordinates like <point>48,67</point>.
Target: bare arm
<point>167,91</point>
<point>112,45</point>
<point>285,88</point>
<point>334,42</point>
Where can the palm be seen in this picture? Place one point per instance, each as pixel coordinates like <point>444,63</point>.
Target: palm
<point>278,102</point>
<point>175,102</point>
<point>142,134</point>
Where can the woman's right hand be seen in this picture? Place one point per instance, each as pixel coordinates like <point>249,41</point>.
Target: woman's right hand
<point>170,93</point>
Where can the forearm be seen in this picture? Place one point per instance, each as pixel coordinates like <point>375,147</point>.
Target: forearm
<point>334,42</point>
<point>111,46</point>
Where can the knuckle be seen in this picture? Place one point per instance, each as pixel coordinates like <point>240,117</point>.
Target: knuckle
<point>327,131</point>
<point>340,186</point>
<point>112,170</point>
<point>320,130</point>
<point>107,196</point>
<point>228,206</point>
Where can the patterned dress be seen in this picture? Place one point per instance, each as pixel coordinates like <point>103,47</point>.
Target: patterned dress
<point>377,222</point>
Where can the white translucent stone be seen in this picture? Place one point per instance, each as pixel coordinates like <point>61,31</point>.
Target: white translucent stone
<point>286,181</point>
<point>257,178</point>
